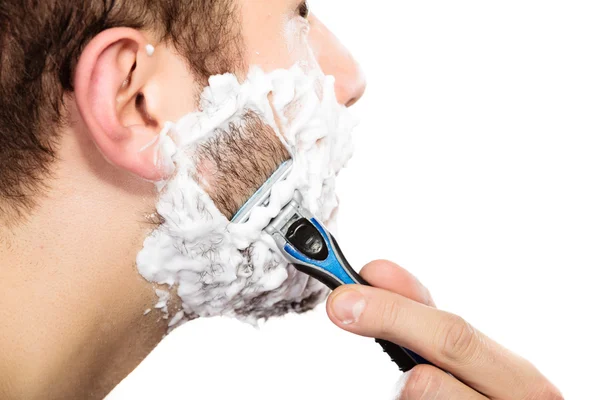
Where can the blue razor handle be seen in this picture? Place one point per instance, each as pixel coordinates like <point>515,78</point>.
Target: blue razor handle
<point>305,243</point>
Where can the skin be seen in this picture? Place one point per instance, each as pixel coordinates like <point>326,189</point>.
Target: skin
<point>400,309</point>
<point>72,298</point>
<point>71,292</point>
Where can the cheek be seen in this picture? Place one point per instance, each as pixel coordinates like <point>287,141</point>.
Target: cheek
<point>296,37</point>
<point>282,45</point>
<point>180,99</point>
<point>179,96</point>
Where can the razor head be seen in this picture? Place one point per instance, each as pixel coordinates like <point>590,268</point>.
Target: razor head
<point>262,195</point>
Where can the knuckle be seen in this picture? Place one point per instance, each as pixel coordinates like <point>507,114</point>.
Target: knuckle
<point>423,383</point>
<point>457,341</point>
<point>390,315</point>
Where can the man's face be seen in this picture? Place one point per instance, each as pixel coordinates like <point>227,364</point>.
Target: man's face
<point>275,35</point>
<point>278,34</point>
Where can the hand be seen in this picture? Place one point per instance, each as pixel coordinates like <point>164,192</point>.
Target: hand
<point>400,309</point>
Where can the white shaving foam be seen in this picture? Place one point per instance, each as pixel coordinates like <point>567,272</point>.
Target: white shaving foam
<point>221,268</point>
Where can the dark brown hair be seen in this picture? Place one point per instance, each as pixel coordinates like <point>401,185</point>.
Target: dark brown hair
<point>40,43</point>
<point>236,161</point>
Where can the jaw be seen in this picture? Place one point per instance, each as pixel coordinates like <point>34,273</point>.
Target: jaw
<point>220,268</point>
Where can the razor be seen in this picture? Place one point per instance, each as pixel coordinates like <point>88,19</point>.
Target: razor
<point>305,242</point>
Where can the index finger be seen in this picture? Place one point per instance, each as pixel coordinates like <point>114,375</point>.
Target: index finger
<point>390,276</point>
<point>443,338</point>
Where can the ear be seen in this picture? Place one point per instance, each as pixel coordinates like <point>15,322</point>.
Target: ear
<point>115,85</point>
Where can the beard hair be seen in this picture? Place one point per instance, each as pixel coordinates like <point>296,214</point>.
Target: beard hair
<point>224,153</point>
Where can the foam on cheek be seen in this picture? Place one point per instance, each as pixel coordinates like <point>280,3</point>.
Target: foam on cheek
<point>296,32</point>
<point>220,268</point>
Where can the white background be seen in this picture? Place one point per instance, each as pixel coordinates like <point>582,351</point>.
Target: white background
<point>477,167</point>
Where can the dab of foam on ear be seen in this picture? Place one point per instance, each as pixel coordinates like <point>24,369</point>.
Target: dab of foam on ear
<point>221,268</point>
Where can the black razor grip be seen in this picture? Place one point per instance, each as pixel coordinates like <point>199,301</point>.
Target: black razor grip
<point>305,237</point>
<point>398,355</point>
<point>402,357</point>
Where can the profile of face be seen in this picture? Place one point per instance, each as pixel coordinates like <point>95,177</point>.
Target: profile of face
<point>220,155</point>
<point>155,86</point>
<point>100,206</point>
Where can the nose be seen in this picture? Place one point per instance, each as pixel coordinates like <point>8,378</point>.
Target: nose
<point>336,60</point>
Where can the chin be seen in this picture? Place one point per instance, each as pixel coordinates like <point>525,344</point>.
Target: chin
<point>298,293</point>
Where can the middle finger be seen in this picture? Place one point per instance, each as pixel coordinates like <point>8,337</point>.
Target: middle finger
<point>425,382</point>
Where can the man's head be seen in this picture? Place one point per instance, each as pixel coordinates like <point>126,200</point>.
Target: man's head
<point>82,106</point>
<point>41,45</point>
<point>40,48</point>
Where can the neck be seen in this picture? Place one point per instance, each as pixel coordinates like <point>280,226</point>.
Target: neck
<point>73,303</point>
<point>70,331</point>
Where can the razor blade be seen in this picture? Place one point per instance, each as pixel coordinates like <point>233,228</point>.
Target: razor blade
<point>263,194</point>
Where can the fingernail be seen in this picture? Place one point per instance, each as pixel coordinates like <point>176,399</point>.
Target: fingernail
<point>348,306</point>
<point>427,296</point>
<point>425,293</point>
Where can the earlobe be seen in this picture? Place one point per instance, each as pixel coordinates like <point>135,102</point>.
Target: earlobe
<point>110,80</point>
